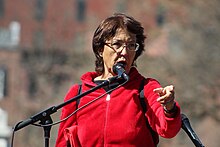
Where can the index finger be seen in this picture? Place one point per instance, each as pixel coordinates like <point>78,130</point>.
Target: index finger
<point>158,90</point>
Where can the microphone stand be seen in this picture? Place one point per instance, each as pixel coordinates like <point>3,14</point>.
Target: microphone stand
<point>189,131</point>
<point>45,118</point>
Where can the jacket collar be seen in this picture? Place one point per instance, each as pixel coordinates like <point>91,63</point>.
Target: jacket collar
<point>88,77</point>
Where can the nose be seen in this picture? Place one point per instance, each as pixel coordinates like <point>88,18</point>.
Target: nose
<point>124,50</point>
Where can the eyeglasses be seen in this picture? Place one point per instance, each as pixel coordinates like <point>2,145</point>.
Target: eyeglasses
<point>118,46</point>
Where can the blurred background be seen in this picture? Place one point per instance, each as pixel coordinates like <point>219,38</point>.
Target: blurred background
<point>45,46</point>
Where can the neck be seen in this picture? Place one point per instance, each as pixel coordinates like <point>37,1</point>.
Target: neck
<point>104,76</point>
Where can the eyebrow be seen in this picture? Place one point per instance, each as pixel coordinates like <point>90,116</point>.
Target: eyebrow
<point>120,40</point>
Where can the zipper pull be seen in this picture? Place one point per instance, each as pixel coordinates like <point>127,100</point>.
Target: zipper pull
<point>108,97</point>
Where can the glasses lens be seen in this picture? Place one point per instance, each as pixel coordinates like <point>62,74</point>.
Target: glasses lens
<point>117,45</point>
<point>131,46</point>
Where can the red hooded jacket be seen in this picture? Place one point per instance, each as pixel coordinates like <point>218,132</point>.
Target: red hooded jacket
<point>116,119</point>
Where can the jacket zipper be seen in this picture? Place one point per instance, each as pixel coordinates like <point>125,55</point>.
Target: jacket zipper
<point>106,118</point>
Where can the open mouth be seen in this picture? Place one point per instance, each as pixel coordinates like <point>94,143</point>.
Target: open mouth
<point>122,63</point>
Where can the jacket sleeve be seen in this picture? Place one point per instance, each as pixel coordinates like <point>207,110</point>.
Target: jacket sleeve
<point>166,127</point>
<point>66,111</point>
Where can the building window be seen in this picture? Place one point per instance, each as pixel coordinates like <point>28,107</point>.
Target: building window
<point>81,7</point>
<point>15,29</point>
<point>40,6</point>
<point>32,87</point>
<point>38,39</point>
<point>160,15</point>
<point>10,37</point>
<point>2,8</point>
<point>2,83</point>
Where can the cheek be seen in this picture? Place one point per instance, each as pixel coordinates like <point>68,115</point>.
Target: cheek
<point>109,58</point>
<point>131,58</point>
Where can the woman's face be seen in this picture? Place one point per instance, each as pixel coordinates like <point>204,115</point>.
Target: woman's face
<point>117,50</point>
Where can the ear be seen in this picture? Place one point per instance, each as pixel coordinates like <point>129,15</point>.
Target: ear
<point>101,52</point>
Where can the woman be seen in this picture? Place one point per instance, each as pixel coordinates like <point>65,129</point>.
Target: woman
<point>117,118</point>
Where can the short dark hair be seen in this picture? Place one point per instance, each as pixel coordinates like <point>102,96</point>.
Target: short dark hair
<point>107,30</point>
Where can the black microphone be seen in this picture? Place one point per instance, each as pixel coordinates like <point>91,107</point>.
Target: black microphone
<point>188,129</point>
<point>118,69</point>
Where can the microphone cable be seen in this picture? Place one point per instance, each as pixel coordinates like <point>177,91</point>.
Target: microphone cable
<point>85,105</point>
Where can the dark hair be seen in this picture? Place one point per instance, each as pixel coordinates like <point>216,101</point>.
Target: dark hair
<point>107,30</point>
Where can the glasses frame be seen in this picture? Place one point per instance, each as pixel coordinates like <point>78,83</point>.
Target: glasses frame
<point>122,47</point>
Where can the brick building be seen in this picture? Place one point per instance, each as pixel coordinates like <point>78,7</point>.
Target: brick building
<point>38,38</point>
<point>45,45</point>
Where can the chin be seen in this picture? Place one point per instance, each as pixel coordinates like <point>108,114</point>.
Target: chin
<point>127,69</point>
